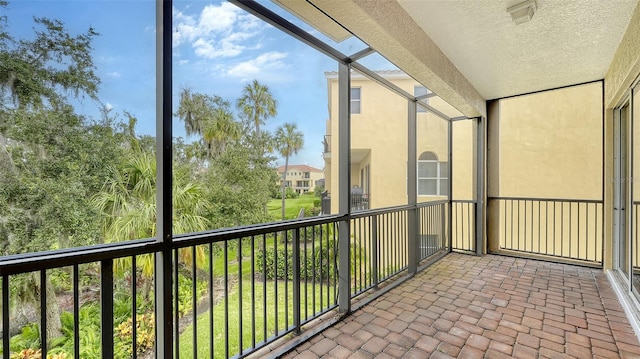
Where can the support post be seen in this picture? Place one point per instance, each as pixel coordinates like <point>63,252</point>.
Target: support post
<point>163,265</point>
<point>374,251</point>
<point>412,189</point>
<point>449,176</point>
<point>344,185</point>
<point>481,134</point>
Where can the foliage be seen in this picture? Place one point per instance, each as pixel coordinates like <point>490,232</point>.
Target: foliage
<point>238,188</point>
<point>29,338</point>
<point>145,335</point>
<point>40,71</point>
<point>185,293</point>
<point>257,104</point>
<point>290,193</point>
<point>210,118</point>
<point>318,263</point>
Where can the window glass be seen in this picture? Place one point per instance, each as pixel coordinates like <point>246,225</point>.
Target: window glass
<point>420,91</point>
<point>355,100</point>
<point>427,187</point>
<point>444,169</point>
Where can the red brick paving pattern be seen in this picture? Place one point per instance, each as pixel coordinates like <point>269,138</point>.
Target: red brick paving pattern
<point>486,307</point>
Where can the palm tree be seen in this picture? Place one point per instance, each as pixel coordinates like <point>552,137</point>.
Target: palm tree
<point>218,130</point>
<point>288,142</point>
<point>128,204</point>
<point>210,118</point>
<point>257,104</point>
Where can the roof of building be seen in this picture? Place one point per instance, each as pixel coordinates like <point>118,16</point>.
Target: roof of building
<point>303,168</point>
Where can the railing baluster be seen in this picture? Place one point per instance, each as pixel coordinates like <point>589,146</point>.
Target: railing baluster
<point>76,311</point>
<point>5,317</point>
<point>43,313</point>
<point>240,294</point>
<point>253,291</point>
<point>176,322</point>
<point>275,280</point>
<point>212,303</point>
<point>106,307</point>
<point>226,299</point>
<point>286,281</point>
<point>296,280</point>
<point>264,288</point>
<point>134,308</point>
<point>194,301</point>
<point>306,271</point>
<point>374,249</point>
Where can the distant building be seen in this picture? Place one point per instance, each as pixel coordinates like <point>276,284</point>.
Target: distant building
<point>301,178</point>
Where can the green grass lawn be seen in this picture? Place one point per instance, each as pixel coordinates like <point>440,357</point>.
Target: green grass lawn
<point>202,325</point>
<point>292,205</point>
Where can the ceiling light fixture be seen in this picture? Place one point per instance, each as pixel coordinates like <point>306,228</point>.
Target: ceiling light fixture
<point>523,11</point>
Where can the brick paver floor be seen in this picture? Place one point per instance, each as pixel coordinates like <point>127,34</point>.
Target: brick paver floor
<point>486,307</point>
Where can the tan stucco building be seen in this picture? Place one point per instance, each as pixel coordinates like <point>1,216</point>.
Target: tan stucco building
<point>301,178</point>
<point>379,133</point>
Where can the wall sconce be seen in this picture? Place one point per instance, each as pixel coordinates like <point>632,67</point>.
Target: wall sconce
<point>522,12</point>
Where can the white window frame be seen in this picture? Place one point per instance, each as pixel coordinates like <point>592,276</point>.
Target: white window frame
<point>441,175</point>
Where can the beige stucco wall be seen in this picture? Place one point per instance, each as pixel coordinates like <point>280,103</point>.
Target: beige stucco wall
<point>379,138</point>
<point>548,145</point>
<point>463,160</point>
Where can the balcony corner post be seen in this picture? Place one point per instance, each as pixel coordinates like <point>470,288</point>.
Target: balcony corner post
<point>412,189</point>
<point>481,200</point>
<point>164,234</point>
<point>344,185</point>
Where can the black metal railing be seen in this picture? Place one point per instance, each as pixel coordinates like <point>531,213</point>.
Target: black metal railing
<point>326,143</point>
<point>360,202</point>
<point>235,290</point>
<point>554,228</point>
<point>463,236</point>
<point>378,248</point>
<point>433,228</point>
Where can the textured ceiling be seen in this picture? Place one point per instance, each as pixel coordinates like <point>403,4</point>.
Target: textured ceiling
<point>567,41</point>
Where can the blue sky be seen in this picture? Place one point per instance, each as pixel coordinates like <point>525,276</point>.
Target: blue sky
<point>218,48</point>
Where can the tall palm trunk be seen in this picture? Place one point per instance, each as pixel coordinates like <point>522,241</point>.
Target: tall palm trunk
<point>284,181</point>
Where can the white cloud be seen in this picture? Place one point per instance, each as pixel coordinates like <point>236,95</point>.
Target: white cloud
<point>265,63</point>
<point>219,31</point>
<point>115,74</point>
<point>108,106</point>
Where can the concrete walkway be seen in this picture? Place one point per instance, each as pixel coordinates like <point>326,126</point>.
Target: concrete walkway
<point>486,307</point>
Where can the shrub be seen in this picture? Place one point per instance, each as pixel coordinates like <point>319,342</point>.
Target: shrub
<point>144,333</point>
<point>290,193</point>
<point>320,264</point>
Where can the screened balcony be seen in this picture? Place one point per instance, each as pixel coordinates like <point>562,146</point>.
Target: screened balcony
<point>514,236</point>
